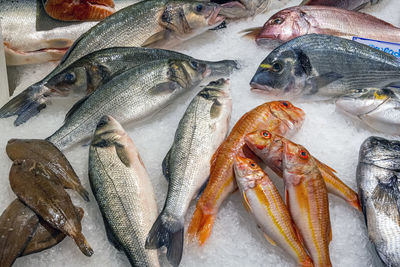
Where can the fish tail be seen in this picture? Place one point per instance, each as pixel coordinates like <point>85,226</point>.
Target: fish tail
<point>201,225</point>
<point>251,33</point>
<point>82,192</point>
<point>167,231</point>
<point>25,105</point>
<point>82,243</point>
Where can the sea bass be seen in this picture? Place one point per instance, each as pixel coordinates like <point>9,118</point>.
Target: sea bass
<point>296,21</point>
<point>262,199</point>
<point>123,191</point>
<point>377,108</point>
<point>307,200</point>
<point>133,95</point>
<point>324,66</point>
<point>377,180</point>
<point>345,4</point>
<point>242,8</point>
<point>269,147</point>
<point>52,159</point>
<point>278,116</point>
<point>154,23</point>
<point>186,166</point>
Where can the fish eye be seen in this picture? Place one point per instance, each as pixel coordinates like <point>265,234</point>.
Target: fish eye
<point>278,21</point>
<point>303,154</point>
<point>266,134</point>
<point>285,104</point>
<point>70,77</point>
<point>194,64</point>
<point>199,8</point>
<point>276,67</point>
<point>165,17</point>
<point>252,164</point>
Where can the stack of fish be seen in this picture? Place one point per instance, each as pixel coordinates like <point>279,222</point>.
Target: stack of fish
<point>43,214</point>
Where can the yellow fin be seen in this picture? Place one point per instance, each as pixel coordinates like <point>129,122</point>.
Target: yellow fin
<point>272,242</point>
<point>246,203</point>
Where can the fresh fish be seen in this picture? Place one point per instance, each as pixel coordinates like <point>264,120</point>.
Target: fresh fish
<point>17,225</point>
<point>155,23</point>
<point>262,199</point>
<point>52,159</point>
<point>324,66</point>
<point>278,116</point>
<point>346,4</point>
<point>296,21</point>
<point>45,236</point>
<point>123,191</point>
<point>131,96</point>
<point>377,108</point>
<point>32,184</point>
<point>242,8</point>
<point>307,200</point>
<point>377,180</point>
<point>269,147</point>
<point>201,130</point>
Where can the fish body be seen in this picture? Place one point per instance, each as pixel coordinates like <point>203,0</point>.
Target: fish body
<point>52,159</point>
<point>345,4</point>
<point>377,180</point>
<point>269,148</point>
<point>32,184</point>
<point>201,130</point>
<point>17,225</point>
<point>377,108</point>
<point>242,8</point>
<point>324,66</point>
<point>123,191</point>
<point>307,200</point>
<point>263,201</point>
<point>296,21</point>
<point>150,23</point>
<point>278,116</point>
<point>133,95</point>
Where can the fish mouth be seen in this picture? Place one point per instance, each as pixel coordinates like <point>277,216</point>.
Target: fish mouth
<point>215,18</point>
<point>265,89</point>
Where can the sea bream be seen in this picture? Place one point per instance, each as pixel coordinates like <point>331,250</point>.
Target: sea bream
<point>150,23</point>
<point>378,174</point>
<point>123,191</point>
<point>324,66</point>
<point>130,97</point>
<point>377,108</point>
<point>186,166</point>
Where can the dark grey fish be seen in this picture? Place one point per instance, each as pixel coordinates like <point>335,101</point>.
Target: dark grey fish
<point>123,191</point>
<point>324,66</point>
<point>187,165</point>
<point>378,175</point>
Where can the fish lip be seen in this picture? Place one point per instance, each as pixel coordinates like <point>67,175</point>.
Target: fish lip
<point>215,18</point>
<point>265,89</point>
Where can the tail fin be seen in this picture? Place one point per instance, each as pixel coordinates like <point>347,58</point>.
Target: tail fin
<point>167,232</point>
<point>251,33</point>
<point>201,225</point>
<point>25,105</point>
<point>82,192</point>
<point>82,243</point>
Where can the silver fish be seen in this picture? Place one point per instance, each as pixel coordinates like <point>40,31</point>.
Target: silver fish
<point>123,191</point>
<point>186,166</point>
<point>378,174</point>
<point>130,96</point>
<point>377,108</point>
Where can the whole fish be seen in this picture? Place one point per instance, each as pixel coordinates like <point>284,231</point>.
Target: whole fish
<point>17,225</point>
<point>377,180</point>
<point>133,95</point>
<point>123,191</point>
<point>346,4</point>
<point>155,23</point>
<point>324,66</point>
<point>186,166</point>
<point>377,108</point>
<point>52,159</point>
<point>278,116</point>
<point>296,21</point>
<point>242,8</point>
<point>269,147</point>
<point>33,186</point>
<point>262,199</point>
<point>307,200</point>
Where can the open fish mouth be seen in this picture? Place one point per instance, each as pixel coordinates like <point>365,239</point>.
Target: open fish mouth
<point>16,57</point>
<point>215,18</point>
<point>265,89</point>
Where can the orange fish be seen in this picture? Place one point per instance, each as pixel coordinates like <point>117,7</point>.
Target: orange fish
<point>263,200</point>
<point>307,200</point>
<point>269,147</point>
<point>278,116</point>
<point>79,10</point>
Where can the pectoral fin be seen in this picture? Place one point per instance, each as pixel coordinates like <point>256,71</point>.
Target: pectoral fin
<point>156,39</point>
<point>123,155</point>
<point>384,199</point>
<point>272,242</point>
<point>246,203</point>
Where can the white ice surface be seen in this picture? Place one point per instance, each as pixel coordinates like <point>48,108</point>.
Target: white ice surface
<point>235,241</point>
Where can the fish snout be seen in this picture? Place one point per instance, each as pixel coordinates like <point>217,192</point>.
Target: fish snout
<point>214,18</point>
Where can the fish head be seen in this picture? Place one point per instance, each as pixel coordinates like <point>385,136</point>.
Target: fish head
<point>284,26</point>
<point>381,152</point>
<point>218,92</point>
<point>223,67</point>
<point>283,73</point>
<point>266,145</point>
<point>190,18</point>
<point>363,101</point>
<point>69,80</point>
<point>109,132</point>
<point>292,117</point>
<point>247,172</point>
<point>188,73</point>
<point>296,159</point>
